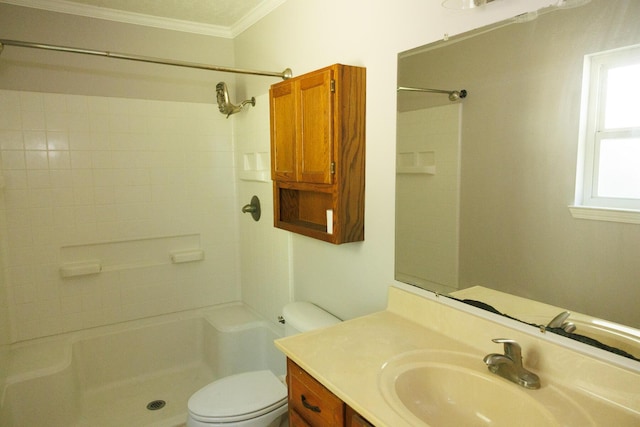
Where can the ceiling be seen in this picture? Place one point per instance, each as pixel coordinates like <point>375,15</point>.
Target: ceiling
<point>220,18</point>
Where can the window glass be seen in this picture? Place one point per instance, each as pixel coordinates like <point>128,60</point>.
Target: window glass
<point>619,168</point>
<point>622,109</point>
<point>609,163</point>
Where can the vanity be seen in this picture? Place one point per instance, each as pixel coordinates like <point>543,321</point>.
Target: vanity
<point>420,362</point>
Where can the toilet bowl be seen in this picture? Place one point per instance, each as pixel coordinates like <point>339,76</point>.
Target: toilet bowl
<point>254,398</point>
<point>249,399</point>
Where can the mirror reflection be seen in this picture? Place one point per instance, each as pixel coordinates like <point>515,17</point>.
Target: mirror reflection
<point>485,183</point>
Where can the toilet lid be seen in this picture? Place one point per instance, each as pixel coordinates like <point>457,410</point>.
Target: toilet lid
<point>238,397</point>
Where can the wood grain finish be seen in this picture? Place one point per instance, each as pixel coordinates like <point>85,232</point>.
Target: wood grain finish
<point>296,420</point>
<point>312,404</point>
<point>353,419</point>
<point>311,401</point>
<point>318,146</point>
<point>315,131</point>
<point>283,133</point>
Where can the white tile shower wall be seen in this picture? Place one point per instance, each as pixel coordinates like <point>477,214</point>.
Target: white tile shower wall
<point>264,248</point>
<point>81,170</point>
<point>430,255</point>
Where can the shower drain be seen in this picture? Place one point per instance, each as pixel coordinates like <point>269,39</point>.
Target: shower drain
<point>155,405</point>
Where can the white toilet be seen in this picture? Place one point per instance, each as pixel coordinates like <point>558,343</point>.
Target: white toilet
<point>255,398</point>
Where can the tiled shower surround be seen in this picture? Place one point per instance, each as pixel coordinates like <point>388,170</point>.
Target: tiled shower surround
<point>429,256</point>
<point>117,182</point>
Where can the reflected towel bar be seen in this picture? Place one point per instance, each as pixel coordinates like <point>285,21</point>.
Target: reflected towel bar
<point>454,95</point>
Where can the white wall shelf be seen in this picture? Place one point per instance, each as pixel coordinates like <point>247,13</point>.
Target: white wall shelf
<point>255,167</point>
<point>416,162</point>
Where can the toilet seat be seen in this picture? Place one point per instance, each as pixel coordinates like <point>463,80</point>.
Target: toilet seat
<point>238,397</point>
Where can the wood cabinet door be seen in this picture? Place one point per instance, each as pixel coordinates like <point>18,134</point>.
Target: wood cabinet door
<point>283,132</point>
<point>315,128</point>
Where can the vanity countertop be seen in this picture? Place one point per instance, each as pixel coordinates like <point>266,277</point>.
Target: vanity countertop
<point>347,358</point>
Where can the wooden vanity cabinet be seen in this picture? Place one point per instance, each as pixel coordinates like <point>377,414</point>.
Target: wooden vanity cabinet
<point>317,125</point>
<point>353,419</point>
<point>312,404</point>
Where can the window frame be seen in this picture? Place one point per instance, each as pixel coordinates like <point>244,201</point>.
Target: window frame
<point>588,204</point>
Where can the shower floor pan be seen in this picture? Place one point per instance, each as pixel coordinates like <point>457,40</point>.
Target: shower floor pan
<point>108,376</point>
<point>125,404</point>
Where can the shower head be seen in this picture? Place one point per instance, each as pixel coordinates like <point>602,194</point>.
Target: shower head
<point>224,104</point>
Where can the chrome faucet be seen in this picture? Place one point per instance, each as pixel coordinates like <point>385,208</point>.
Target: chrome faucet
<point>509,364</point>
<point>560,321</point>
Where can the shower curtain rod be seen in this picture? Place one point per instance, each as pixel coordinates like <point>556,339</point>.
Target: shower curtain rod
<point>454,95</point>
<point>286,74</point>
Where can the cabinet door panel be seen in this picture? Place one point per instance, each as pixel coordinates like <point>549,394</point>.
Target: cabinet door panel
<point>316,128</point>
<point>283,133</point>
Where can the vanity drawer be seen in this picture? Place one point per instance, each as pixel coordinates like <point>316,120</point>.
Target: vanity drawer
<point>311,401</point>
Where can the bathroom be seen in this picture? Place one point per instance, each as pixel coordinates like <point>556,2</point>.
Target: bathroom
<point>244,260</point>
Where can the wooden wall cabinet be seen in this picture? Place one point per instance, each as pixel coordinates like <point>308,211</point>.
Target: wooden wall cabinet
<point>318,153</point>
<point>312,404</point>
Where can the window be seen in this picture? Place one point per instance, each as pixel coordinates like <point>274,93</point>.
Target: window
<point>609,158</point>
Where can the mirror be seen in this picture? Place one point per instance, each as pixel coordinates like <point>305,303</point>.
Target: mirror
<point>484,183</point>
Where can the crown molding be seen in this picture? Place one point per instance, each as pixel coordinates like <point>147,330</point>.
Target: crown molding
<point>71,8</point>
<point>259,12</point>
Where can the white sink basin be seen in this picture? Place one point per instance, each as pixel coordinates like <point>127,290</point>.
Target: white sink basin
<point>443,388</point>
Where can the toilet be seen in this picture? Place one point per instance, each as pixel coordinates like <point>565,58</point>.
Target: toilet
<point>254,398</point>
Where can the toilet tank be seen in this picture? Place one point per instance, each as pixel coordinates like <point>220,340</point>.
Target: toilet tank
<point>303,316</point>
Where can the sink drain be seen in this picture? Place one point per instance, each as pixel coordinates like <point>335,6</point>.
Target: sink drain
<point>156,404</point>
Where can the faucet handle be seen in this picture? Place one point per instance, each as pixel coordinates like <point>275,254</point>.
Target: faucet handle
<point>559,320</point>
<point>511,348</point>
